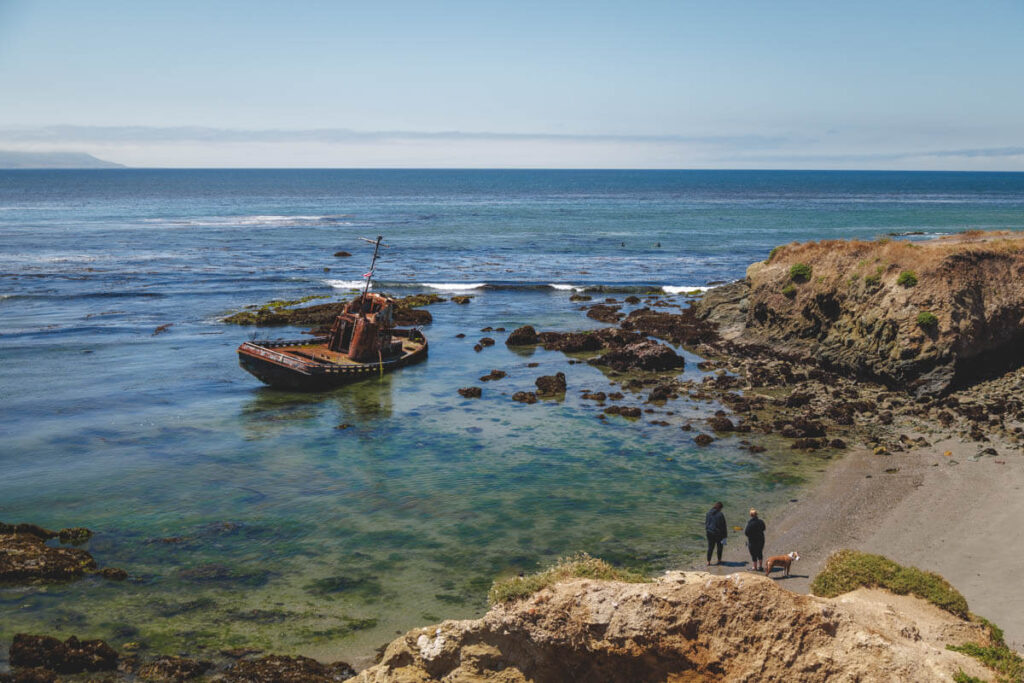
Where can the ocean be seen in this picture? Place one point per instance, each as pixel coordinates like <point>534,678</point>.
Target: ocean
<point>245,516</point>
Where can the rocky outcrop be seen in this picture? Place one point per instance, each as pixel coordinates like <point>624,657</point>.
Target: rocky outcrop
<point>522,336</point>
<point>646,355</point>
<point>24,556</point>
<point>687,627</point>
<point>926,317</point>
<point>551,385</point>
<point>68,657</point>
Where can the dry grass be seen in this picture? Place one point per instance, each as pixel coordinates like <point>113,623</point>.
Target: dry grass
<point>579,566</point>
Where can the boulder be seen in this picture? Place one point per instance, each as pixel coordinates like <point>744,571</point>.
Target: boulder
<point>522,336</point>
<point>645,355</point>
<point>551,385</point>
<point>527,397</point>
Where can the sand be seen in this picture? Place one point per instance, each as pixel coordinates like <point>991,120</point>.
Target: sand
<point>958,515</point>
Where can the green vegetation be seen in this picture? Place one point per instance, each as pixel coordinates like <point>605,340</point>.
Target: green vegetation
<point>996,656</point>
<point>269,311</point>
<point>773,252</point>
<point>847,570</point>
<point>579,566</point>
<point>800,272</point>
<point>789,291</point>
<point>927,319</point>
<point>961,677</point>
<point>907,278</point>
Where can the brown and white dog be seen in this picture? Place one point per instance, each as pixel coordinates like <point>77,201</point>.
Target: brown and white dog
<point>781,561</point>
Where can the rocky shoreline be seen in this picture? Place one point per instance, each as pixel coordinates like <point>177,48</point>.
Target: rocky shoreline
<point>824,346</point>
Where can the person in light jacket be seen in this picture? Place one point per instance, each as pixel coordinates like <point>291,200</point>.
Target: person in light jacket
<point>714,525</point>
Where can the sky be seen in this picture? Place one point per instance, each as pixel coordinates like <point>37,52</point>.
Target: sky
<point>492,84</point>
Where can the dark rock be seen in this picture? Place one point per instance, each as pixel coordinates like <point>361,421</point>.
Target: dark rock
<point>661,393</point>
<point>522,336</point>
<point>594,396</point>
<point>460,335</point>
<point>885,417</point>
<point>25,556</point>
<point>33,675</point>
<point>471,392</point>
<point>551,385</point>
<point>75,535</point>
<point>487,329</point>
<point>527,397</point>
<point>632,300</point>
<point>532,365</point>
<point>579,297</point>
<point>342,254</point>
<point>284,669</point>
<point>720,423</point>
<point>615,396</point>
<point>808,444</point>
<point>755,448</point>
<point>461,299</point>
<point>837,443</point>
<point>678,328</point>
<point>702,439</point>
<point>494,375</point>
<point>644,355</point>
<point>797,399</point>
<point>412,317</point>
<point>604,313</point>
<point>114,574</point>
<point>486,341</point>
<point>70,657</point>
<point>478,348</point>
<point>176,669</point>
<point>624,411</point>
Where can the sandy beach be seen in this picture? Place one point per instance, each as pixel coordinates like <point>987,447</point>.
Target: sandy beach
<point>957,515</point>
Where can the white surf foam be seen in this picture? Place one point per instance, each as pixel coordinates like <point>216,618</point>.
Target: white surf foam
<point>455,286</point>
<point>683,290</point>
<point>566,288</point>
<point>347,284</point>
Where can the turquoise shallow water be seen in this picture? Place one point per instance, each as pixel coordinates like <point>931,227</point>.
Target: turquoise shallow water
<point>244,515</point>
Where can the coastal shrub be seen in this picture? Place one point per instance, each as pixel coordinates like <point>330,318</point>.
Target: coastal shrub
<point>927,319</point>
<point>907,278</point>
<point>800,272</point>
<point>996,656</point>
<point>961,677</point>
<point>789,291</point>
<point>578,566</point>
<point>847,570</point>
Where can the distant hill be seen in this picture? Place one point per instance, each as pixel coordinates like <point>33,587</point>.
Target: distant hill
<point>12,160</point>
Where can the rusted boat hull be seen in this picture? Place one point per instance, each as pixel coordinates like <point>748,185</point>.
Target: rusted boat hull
<point>286,371</point>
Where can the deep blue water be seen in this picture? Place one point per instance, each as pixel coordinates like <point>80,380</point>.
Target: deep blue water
<point>297,536</point>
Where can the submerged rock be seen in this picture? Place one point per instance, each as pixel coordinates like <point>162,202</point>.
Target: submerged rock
<point>494,375</point>
<point>285,669</point>
<point>471,392</point>
<point>527,397</point>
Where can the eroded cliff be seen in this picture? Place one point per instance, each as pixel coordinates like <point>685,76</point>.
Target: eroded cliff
<point>923,316</point>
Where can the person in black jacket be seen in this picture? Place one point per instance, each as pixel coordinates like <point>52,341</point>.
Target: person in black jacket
<point>714,525</point>
<point>755,540</point>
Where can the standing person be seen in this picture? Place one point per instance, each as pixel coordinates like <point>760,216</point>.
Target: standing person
<point>755,540</point>
<point>714,525</point>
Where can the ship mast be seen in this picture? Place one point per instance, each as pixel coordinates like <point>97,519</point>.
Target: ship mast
<point>369,274</point>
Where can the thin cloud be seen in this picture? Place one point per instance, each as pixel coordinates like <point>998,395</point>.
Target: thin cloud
<point>164,135</point>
